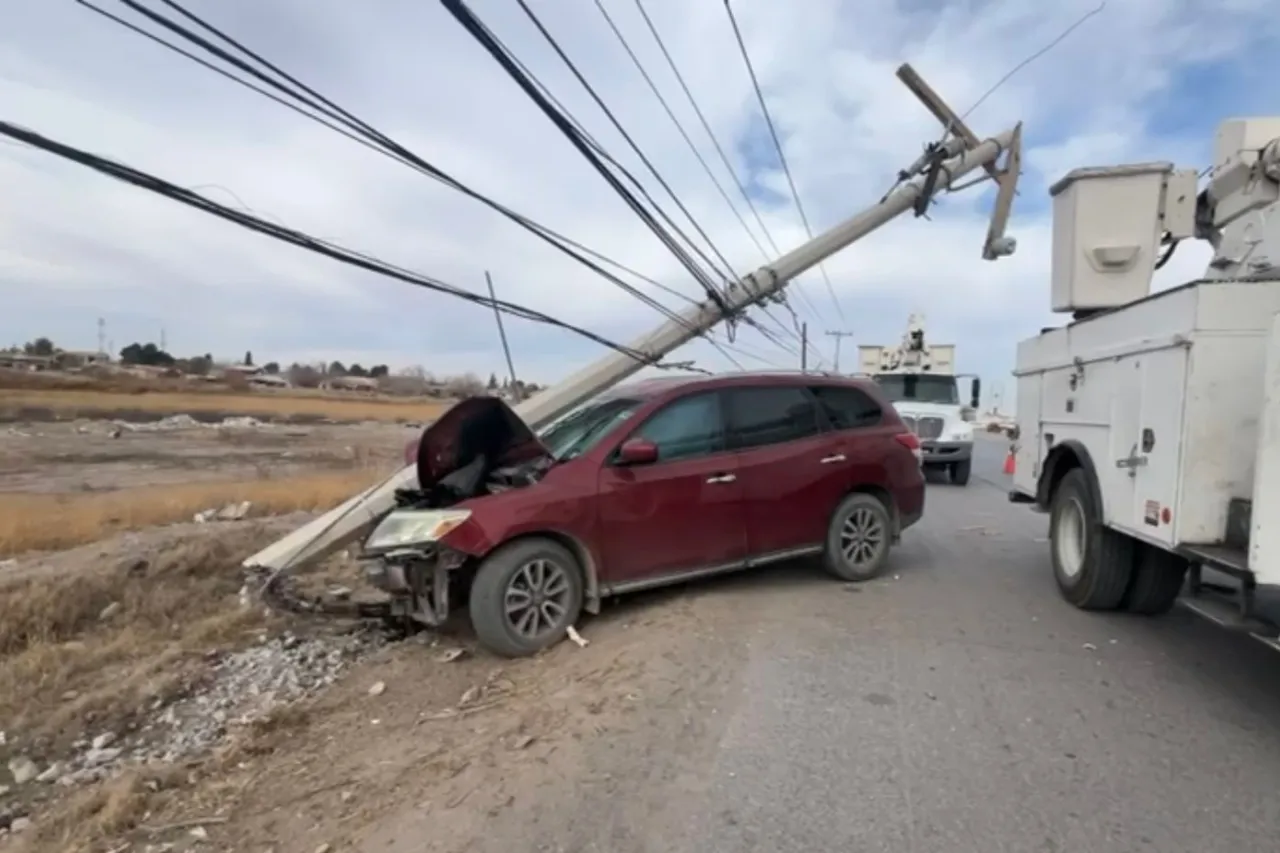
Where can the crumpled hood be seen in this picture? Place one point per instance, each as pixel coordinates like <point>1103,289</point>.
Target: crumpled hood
<point>476,426</point>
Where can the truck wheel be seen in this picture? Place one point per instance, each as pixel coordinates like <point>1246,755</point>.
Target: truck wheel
<point>1091,563</point>
<point>1156,583</point>
<point>858,538</point>
<point>960,472</point>
<point>525,597</point>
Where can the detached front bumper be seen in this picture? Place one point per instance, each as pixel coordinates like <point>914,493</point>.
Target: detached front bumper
<point>945,452</point>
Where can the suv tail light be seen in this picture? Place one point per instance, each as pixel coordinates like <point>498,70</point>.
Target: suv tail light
<point>911,442</point>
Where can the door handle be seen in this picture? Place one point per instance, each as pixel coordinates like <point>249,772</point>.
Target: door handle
<point>827,460</point>
<point>722,478</point>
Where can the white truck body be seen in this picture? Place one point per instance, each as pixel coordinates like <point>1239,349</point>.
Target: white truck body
<point>1170,403</point>
<point>920,378</point>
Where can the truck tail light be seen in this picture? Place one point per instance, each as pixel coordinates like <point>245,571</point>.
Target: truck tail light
<point>911,442</point>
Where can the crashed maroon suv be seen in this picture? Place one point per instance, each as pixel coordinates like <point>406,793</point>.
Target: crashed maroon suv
<point>653,483</point>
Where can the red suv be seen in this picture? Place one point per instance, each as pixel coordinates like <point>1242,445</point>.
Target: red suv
<point>650,484</point>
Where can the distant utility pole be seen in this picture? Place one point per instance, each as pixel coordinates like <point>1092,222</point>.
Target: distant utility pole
<point>804,347</point>
<point>839,336</point>
<point>102,336</point>
<point>502,334</point>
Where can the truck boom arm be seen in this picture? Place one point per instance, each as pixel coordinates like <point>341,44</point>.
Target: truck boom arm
<point>334,529</point>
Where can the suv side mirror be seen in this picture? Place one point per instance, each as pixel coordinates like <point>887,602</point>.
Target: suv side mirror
<point>976,394</point>
<point>637,451</point>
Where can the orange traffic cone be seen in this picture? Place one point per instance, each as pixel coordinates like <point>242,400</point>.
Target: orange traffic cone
<point>1009,462</point>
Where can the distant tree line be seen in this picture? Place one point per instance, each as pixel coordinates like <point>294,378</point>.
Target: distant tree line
<point>410,380</point>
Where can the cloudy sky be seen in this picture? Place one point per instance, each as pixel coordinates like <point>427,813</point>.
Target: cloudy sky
<point>1141,80</point>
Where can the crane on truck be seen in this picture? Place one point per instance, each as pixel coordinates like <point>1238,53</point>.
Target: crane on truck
<point>920,379</point>
<point>938,168</point>
<point>1150,424</point>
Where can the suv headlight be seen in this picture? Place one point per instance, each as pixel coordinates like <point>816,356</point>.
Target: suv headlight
<point>406,527</point>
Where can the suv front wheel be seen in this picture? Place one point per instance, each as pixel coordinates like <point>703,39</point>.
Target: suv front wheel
<point>525,597</point>
<point>858,538</point>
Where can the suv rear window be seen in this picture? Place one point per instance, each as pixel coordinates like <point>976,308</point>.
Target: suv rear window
<point>762,416</point>
<point>847,408</point>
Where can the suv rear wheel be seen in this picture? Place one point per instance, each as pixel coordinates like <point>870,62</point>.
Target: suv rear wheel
<point>858,538</point>
<point>525,597</point>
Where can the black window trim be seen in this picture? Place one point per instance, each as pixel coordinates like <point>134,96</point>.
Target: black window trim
<point>611,460</point>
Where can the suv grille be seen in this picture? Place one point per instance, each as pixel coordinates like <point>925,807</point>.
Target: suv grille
<point>929,428</point>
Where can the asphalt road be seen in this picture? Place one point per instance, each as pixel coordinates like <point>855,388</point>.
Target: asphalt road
<point>956,705</point>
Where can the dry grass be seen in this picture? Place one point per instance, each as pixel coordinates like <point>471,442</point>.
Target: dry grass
<point>44,522</point>
<point>86,400</point>
<point>65,669</point>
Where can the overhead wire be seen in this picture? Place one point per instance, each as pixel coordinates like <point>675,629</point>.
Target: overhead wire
<point>297,238</point>
<point>502,55</point>
<point>777,144</point>
<point>626,46</point>
<point>335,118</point>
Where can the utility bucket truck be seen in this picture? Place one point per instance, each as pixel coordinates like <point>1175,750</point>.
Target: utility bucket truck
<point>920,379</point>
<point>1150,425</point>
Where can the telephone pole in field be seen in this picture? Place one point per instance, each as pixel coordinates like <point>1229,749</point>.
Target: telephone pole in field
<point>839,336</point>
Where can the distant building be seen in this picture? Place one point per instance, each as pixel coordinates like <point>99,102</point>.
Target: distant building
<point>350,383</point>
<point>22,361</point>
<point>268,380</point>
<point>73,359</point>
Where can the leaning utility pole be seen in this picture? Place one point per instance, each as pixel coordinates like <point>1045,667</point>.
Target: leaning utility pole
<point>839,336</point>
<point>502,334</point>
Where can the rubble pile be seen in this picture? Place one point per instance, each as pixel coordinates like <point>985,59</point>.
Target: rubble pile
<point>241,688</point>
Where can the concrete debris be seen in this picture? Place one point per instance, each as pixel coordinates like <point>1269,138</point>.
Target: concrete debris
<point>378,688</point>
<point>451,655</point>
<point>176,422</point>
<point>230,512</point>
<point>110,610</point>
<point>20,824</point>
<point>243,687</point>
<point>23,770</point>
<point>578,639</point>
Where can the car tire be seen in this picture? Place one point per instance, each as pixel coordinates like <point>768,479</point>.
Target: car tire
<point>1156,582</point>
<point>858,538</point>
<point>960,472</point>
<point>539,571</point>
<point>1091,563</point>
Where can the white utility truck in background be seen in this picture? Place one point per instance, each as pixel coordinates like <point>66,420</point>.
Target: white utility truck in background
<point>921,380</point>
<point>1150,425</point>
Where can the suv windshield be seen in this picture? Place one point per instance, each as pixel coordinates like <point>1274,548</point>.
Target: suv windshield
<point>919,387</point>
<point>578,432</point>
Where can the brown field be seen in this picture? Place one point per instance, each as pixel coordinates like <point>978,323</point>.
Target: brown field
<point>88,402</point>
<point>47,522</point>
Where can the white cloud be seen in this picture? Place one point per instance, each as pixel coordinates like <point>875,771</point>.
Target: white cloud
<point>75,246</point>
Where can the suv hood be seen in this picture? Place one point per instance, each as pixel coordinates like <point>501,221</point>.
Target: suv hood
<point>475,427</point>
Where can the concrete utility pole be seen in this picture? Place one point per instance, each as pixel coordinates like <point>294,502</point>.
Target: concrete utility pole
<point>839,336</point>
<point>502,334</point>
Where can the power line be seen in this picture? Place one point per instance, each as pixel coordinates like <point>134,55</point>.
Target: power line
<point>777,144</point>
<point>334,117</point>
<point>675,69</point>
<point>184,196</point>
<point>500,53</point>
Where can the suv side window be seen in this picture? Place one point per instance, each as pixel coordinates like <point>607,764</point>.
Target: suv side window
<point>685,428</point>
<point>847,408</point>
<point>773,415</point>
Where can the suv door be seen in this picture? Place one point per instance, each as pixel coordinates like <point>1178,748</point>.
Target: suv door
<point>792,472</point>
<point>682,513</point>
<point>858,420</point>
